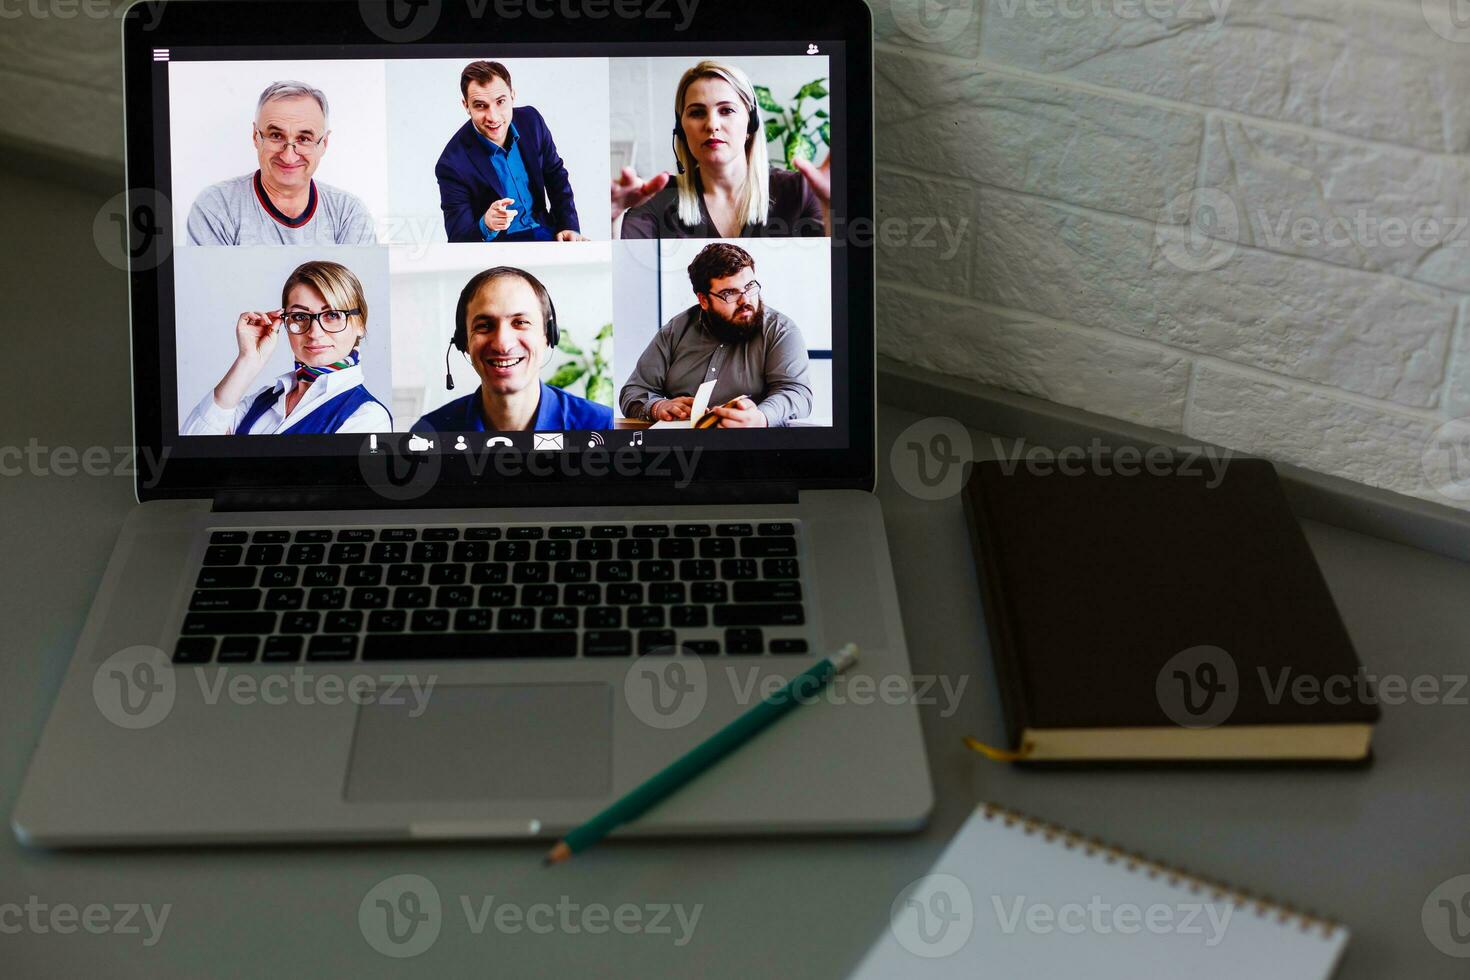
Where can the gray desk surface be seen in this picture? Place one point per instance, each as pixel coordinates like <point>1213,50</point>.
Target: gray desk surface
<point>1366,847</point>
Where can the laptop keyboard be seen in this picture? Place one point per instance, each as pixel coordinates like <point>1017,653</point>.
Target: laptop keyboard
<point>495,593</point>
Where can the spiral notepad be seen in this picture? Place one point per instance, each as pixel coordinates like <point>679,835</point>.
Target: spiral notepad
<point>1013,898</point>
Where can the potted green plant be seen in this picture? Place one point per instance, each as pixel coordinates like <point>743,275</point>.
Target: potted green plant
<point>589,367</point>
<point>797,132</point>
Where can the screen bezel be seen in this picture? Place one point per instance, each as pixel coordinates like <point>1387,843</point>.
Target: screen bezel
<point>340,22</point>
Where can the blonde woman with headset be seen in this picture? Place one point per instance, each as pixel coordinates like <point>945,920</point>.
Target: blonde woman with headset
<point>725,187</point>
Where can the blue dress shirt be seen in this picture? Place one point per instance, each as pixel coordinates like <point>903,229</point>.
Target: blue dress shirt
<point>510,171</point>
<point>559,411</point>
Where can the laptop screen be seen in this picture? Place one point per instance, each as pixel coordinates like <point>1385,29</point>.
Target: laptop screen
<point>445,248</point>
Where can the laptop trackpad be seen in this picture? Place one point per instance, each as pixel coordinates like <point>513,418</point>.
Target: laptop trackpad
<point>484,742</point>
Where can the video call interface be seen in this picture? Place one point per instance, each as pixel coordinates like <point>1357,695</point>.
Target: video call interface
<point>535,253</point>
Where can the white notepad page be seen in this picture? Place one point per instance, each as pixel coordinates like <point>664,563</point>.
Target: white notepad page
<point>1014,899</point>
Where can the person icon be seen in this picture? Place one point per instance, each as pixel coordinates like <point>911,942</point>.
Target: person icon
<point>460,444</point>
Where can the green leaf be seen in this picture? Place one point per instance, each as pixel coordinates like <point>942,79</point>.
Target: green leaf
<point>800,146</point>
<point>567,346</point>
<point>766,100</point>
<point>826,132</point>
<point>775,129</point>
<point>566,375</point>
<point>820,113</point>
<point>813,90</point>
<point>605,332</point>
<point>600,389</point>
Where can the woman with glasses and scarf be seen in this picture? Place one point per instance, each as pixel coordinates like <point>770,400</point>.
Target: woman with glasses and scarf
<point>325,315</point>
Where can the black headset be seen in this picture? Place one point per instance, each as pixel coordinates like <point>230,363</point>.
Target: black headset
<point>750,130</point>
<point>461,340</point>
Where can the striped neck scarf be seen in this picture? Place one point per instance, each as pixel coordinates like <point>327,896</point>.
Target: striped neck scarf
<point>308,373</point>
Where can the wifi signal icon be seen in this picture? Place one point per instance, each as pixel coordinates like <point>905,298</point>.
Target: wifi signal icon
<point>594,440</point>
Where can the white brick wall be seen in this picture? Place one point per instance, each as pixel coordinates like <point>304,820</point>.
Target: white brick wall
<point>1246,221</point>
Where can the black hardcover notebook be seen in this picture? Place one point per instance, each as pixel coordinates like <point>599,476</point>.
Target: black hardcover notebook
<point>1161,617</point>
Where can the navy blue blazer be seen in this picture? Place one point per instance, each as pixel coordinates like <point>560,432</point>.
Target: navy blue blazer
<point>467,184</point>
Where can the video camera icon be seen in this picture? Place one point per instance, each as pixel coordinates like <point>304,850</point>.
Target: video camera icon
<point>418,444</point>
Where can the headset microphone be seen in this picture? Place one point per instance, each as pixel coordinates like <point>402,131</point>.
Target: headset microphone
<point>448,377</point>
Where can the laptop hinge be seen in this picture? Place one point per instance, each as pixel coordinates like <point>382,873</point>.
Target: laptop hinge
<point>363,498</point>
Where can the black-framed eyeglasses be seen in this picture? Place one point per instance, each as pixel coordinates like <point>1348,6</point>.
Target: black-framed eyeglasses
<point>305,147</point>
<point>332,321</point>
<point>731,295</point>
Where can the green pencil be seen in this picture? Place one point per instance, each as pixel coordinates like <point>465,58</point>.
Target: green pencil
<point>668,781</point>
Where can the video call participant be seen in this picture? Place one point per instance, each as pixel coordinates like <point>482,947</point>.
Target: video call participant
<point>725,187</point>
<point>280,204</point>
<point>498,169</point>
<point>506,323</point>
<point>325,314</point>
<point>756,353</point>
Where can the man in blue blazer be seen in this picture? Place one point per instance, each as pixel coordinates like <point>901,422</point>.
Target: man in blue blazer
<point>498,170</point>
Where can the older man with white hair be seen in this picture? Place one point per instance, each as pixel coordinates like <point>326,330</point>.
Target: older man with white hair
<point>280,203</point>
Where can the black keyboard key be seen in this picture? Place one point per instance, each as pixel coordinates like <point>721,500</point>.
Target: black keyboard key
<point>282,649</point>
<point>225,600</point>
<point>371,597</point>
<point>430,620</point>
<point>594,550</point>
<point>676,548</point>
<point>356,534</point>
<point>283,600</point>
<point>333,598</point>
<point>656,571</point>
<point>300,622</point>
<point>429,552</point>
<point>454,596</point>
<point>717,548</point>
<point>343,621</point>
<point>603,617</point>
<point>517,618</point>
<point>656,642</point>
<point>271,537</point>
<point>313,536</point>
<point>696,569</point>
<point>474,619</point>
<point>223,554</point>
<point>363,575</point>
<point>625,593</point>
<point>531,571</point>
<point>321,575</point>
<point>573,571</point>
<point>768,547</point>
<point>448,574</point>
<point>497,595</point>
<point>469,552</point>
<point>582,595</point>
<point>610,531</point>
<point>708,592</point>
<point>760,614</point>
<point>788,646</point>
<point>219,623</point>
<point>387,621</point>
<point>635,549</point>
<point>398,534</point>
<point>738,568</point>
<point>776,529</point>
<point>441,534</point>
<point>692,530</point>
<point>689,617</point>
<point>491,573</point>
<point>349,553</point>
<point>744,641</point>
<point>776,568</point>
<point>389,553</point>
<point>558,618</point>
<point>704,648</point>
<point>568,532</point>
<point>482,534</point>
<point>650,530</point>
<point>768,591</point>
<point>264,554</point>
<point>227,537</point>
<point>553,550</point>
<point>643,616</point>
<point>194,649</point>
<point>734,530</point>
<point>412,597</point>
<point>607,643</point>
<point>306,554</point>
<point>512,550</point>
<point>239,577</point>
<point>332,647</point>
<point>523,533</point>
<point>279,577</point>
<point>666,593</point>
<point>468,646</point>
<point>539,595</point>
<point>405,574</point>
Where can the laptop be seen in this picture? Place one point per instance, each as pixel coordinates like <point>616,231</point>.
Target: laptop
<point>410,286</point>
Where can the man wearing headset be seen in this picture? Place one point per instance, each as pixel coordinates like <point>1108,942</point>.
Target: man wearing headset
<point>506,324</point>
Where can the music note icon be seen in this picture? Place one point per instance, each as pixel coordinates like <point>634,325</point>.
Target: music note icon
<point>637,439</point>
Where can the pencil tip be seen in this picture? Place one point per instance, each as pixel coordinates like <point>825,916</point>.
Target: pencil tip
<point>556,855</point>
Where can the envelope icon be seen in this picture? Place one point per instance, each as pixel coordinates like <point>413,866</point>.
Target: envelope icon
<point>548,440</point>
